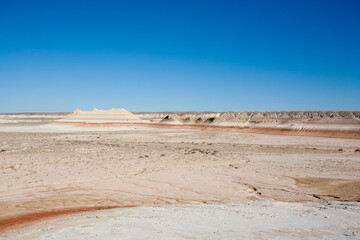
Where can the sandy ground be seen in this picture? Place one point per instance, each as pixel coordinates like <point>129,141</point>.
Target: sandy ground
<point>234,220</point>
<point>208,184</point>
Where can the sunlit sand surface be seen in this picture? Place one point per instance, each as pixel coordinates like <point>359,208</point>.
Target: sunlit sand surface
<point>63,181</point>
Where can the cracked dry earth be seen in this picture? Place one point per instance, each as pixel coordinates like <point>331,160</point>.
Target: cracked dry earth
<point>44,175</point>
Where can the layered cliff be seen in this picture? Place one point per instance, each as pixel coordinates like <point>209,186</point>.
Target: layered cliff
<point>273,116</point>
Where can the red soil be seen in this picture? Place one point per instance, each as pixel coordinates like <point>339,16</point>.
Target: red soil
<point>24,219</point>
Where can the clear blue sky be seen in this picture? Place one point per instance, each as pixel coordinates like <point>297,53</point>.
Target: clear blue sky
<point>179,55</point>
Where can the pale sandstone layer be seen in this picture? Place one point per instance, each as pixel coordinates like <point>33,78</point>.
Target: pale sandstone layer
<point>101,115</point>
<point>340,124</point>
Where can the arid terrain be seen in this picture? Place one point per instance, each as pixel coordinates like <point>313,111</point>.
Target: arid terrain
<point>181,176</point>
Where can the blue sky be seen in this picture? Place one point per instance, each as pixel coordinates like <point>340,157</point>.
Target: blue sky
<point>179,55</point>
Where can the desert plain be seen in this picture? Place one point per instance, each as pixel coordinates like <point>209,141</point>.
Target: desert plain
<point>261,175</point>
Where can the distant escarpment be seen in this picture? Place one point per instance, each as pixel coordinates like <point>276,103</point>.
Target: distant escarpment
<point>256,117</point>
